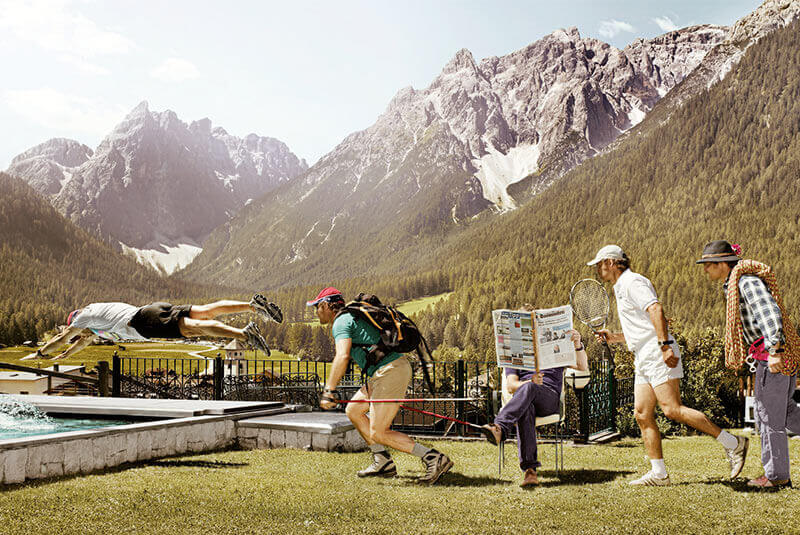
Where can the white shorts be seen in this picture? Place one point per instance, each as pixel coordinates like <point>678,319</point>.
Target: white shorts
<point>650,367</point>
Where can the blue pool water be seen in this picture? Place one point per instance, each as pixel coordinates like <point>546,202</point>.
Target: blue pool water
<point>19,419</point>
<point>53,425</point>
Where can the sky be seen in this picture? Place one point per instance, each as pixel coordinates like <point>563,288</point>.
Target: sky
<point>306,72</point>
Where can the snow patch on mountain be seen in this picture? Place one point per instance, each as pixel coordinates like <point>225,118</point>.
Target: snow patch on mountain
<point>497,171</point>
<point>167,258</point>
<point>635,116</point>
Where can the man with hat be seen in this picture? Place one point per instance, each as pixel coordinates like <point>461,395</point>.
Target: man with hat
<point>657,363</point>
<point>386,379</point>
<point>756,319</point>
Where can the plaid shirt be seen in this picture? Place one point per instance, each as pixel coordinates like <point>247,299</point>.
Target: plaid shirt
<point>760,313</point>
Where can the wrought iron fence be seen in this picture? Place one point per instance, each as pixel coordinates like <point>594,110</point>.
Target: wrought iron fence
<point>587,412</point>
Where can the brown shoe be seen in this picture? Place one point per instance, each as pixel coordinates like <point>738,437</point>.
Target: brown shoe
<point>492,433</point>
<point>764,483</point>
<point>530,479</point>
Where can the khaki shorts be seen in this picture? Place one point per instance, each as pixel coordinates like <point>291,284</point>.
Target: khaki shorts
<point>390,381</point>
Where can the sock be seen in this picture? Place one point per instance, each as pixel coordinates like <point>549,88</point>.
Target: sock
<point>727,440</point>
<point>659,468</point>
<point>420,450</point>
<point>378,448</point>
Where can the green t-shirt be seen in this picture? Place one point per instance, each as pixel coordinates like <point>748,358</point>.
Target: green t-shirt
<point>361,332</point>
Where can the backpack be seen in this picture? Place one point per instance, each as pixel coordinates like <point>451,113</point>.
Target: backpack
<point>398,333</point>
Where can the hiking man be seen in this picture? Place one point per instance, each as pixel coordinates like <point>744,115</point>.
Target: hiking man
<point>387,379</point>
<point>756,319</point>
<point>534,394</point>
<point>657,364</point>
<point>121,321</point>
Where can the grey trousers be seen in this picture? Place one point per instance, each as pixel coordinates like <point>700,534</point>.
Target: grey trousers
<point>775,411</point>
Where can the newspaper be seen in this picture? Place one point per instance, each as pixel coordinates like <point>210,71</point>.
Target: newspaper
<point>534,340</point>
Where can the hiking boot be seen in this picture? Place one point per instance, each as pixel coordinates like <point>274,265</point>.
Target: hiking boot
<point>436,465</point>
<point>737,455</point>
<point>270,311</point>
<point>650,480</point>
<point>254,338</point>
<point>382,466</point>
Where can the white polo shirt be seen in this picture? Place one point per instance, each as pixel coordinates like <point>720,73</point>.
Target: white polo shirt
<point>634,294</point>
<point>108,320</point>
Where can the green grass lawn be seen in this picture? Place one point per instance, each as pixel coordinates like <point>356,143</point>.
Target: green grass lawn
<point>290,491</point>
<point>252,355</point>
<point>93,354</point>
<point>415,305</point>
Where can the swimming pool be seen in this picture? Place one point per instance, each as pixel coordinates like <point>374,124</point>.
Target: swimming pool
<point>55,436</point>
<point>15,428</point>
<point>18,419</point>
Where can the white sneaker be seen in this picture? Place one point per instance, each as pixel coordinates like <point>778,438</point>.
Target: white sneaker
<point>737,456</point>
<point>650,480</point>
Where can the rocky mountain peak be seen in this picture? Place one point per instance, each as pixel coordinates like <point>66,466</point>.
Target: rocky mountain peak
<point>139,111</point>
<point>156,185</point>
<point>567,35</point>
<point>201,126</point>
<point>769,16</point>
<point>462,60</point>
<point>401,98</point>
<point>63,151</point>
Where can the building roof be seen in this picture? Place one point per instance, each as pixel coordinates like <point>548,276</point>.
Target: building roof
<point>30,376</point>
<point>235,345</point>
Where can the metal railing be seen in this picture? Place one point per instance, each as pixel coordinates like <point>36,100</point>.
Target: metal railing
<point>587,412</point>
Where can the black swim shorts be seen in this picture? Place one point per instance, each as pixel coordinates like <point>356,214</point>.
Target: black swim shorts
<point>160,320</point>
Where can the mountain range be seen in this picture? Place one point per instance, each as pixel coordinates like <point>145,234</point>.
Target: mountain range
<point>415,192</point>
<point>481,140</point>
<point>156,186</point>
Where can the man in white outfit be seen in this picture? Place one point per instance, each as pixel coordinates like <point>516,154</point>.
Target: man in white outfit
<point>658,367</point>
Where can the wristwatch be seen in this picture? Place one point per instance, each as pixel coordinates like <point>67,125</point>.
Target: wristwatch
<point>772,351</point>
<point>666,343</point>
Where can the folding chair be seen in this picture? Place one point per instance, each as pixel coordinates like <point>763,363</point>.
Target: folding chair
<point>577,380</point>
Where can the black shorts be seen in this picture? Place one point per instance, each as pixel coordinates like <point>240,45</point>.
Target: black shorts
<point>160,320</point>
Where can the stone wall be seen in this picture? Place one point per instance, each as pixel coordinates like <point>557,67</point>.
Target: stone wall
<point>251,438</point>
<point>83,452</point>
<point>60,455</point>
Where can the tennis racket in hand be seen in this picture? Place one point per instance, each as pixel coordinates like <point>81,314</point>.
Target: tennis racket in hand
<point>589,301</point>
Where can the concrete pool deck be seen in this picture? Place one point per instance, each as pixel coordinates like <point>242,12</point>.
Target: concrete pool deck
<point>144,408</point>
<point>185,426</point>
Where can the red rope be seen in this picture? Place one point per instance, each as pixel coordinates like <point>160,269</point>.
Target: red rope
<point>413,409</point>
<point>441,416</point>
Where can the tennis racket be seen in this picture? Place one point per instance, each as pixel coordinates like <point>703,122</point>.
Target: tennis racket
<point>589,301</point>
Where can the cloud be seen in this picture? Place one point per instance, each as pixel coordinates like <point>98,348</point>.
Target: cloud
<point>612,28</point>
<point>175,70</point>
<point>55,26</point>
<point>60,111</point>
<point>665,23</point>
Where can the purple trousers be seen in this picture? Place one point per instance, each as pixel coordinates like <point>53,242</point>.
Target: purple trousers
<point>776,412</point>
<point>529,401</point>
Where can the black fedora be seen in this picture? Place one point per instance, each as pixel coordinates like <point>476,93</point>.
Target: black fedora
<point>718,251</point>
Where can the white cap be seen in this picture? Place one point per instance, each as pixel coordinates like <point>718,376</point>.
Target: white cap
<point>613,252</point>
